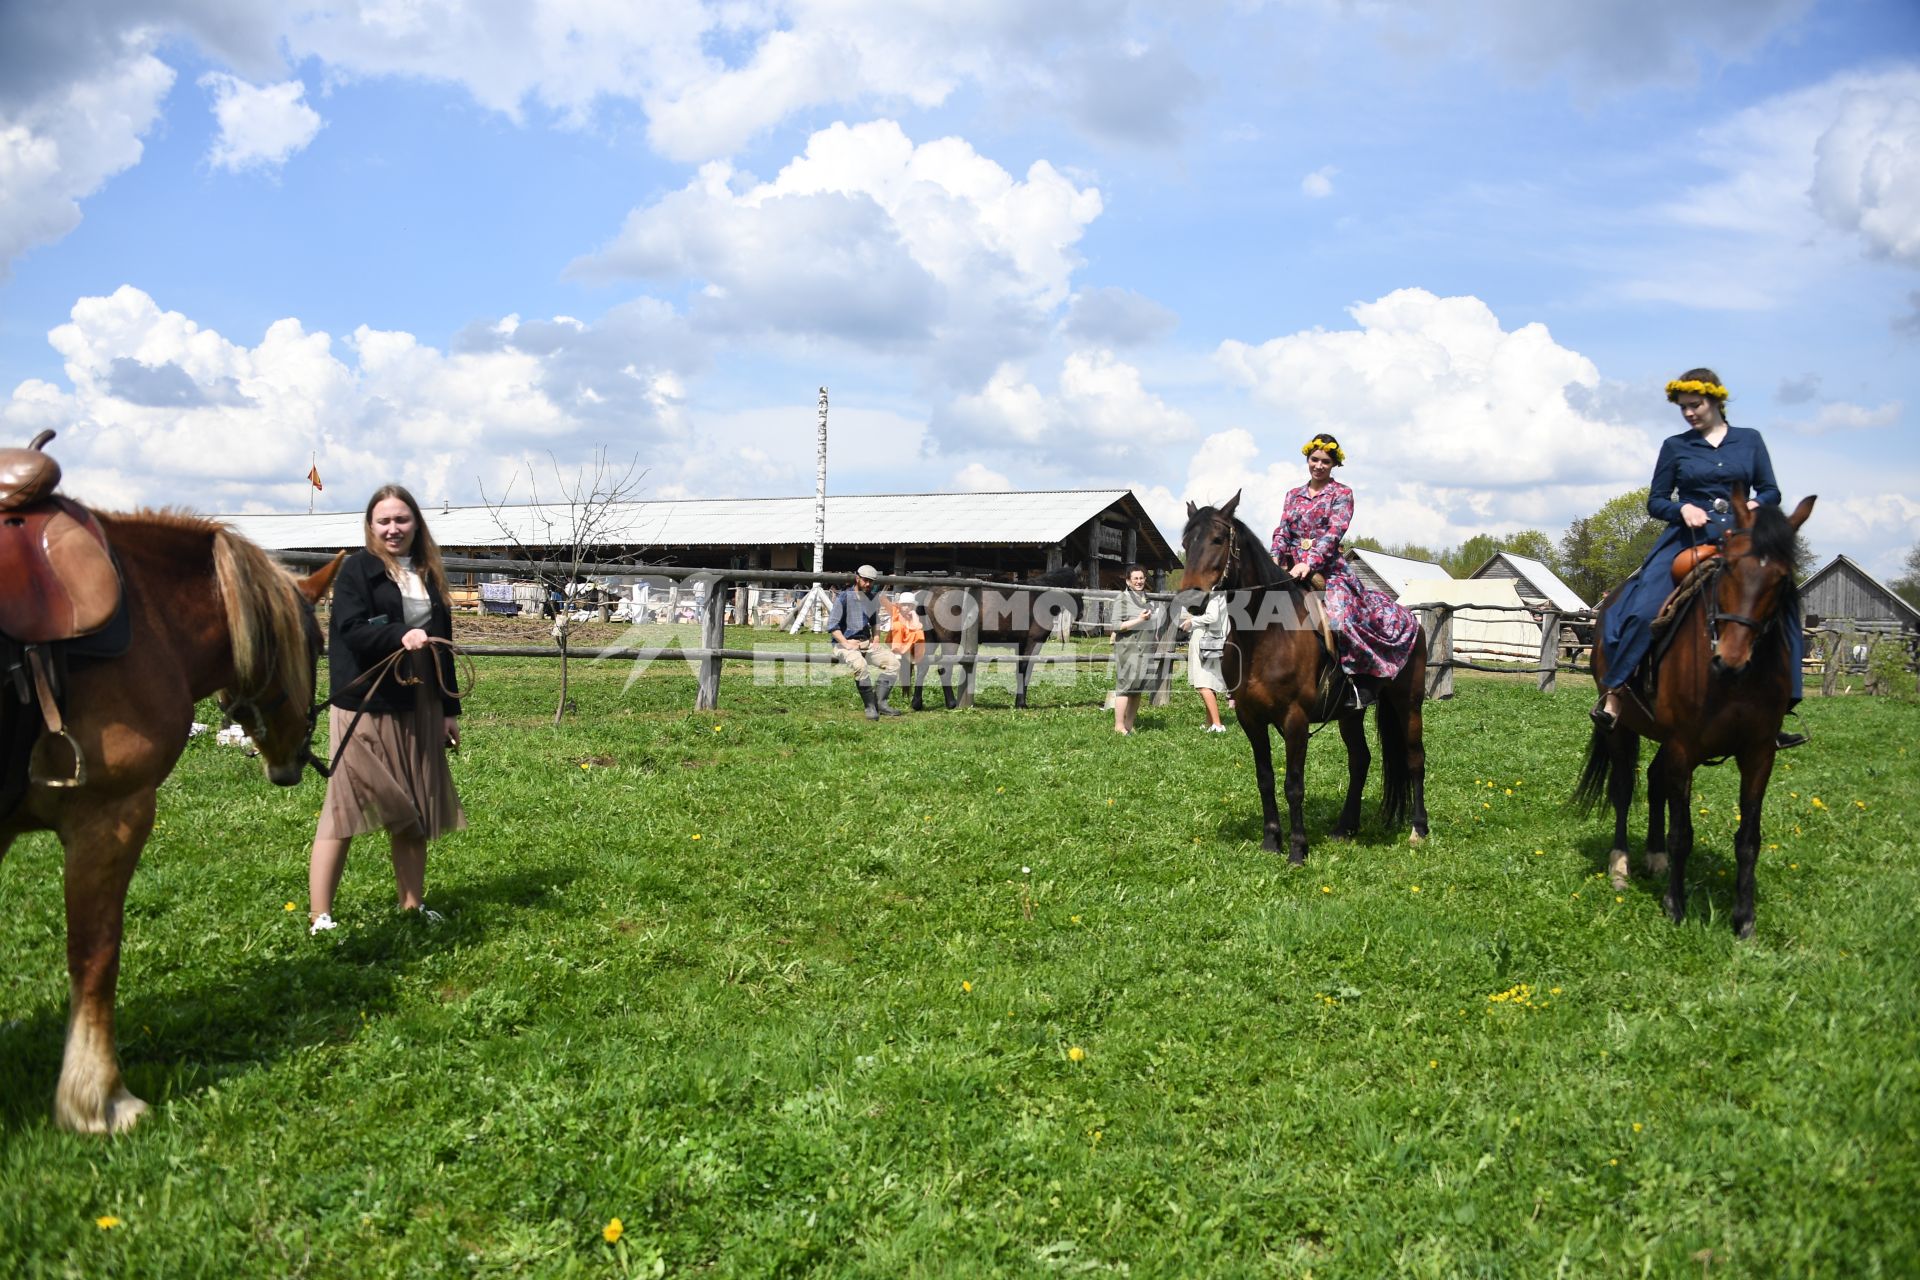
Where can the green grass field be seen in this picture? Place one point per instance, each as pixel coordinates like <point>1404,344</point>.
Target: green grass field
<point>986,992</point>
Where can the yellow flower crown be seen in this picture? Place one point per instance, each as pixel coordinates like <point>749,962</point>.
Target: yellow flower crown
<point>1713,390</point>
<point>1327,446</point>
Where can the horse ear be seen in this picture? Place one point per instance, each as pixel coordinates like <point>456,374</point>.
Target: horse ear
<point>1742,513</point>
<point>1191,509</point>
<point>1226,508</point>
<point>1801,512</point>
<point>320,581</point>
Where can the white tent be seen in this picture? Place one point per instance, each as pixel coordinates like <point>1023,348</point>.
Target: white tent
<point>1481,635</point>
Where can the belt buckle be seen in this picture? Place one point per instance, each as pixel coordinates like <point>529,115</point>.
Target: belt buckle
<point>1721,506</point>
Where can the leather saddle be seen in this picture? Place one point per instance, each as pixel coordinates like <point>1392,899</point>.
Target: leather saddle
<point>58,582</point>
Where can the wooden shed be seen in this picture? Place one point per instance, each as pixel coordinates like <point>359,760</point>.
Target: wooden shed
<point>1539,587</point>
<point>1379,571</point>
<point>1842,594</point>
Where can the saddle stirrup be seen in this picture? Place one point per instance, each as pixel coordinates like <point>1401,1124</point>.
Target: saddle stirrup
<point>50,712</point>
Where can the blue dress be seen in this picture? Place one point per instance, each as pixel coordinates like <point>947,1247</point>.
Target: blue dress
<point>1690,471</point>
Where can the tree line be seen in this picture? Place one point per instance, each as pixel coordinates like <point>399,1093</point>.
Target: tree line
<point>1594,554</point>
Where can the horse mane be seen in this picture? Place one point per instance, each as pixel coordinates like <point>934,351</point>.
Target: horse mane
<point>1772,537</point>
<point>265,623</point>
<point>1065,576</point>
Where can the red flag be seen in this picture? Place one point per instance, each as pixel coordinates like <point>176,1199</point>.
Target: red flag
<point>313,474</point>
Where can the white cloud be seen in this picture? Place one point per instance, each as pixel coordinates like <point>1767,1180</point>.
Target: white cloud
<point>163,410</point>
<point>975,478</point>
<point>1866,174</point>
<point>260,125</point>
<point>1504,429</point>
<point>869,237</point>
<point>1100,416</point>
<point>1318,185</point>
<point>59,148</point>
<point>1840,156</point>
<point>1841,415</point>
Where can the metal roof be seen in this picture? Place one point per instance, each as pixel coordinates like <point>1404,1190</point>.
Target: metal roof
<point>863,520</point>
<point>1848,564</point>
<point>1397,571</point>
<point>1544,580</point>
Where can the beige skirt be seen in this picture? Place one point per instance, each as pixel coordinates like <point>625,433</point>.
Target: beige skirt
<point>393,775</point>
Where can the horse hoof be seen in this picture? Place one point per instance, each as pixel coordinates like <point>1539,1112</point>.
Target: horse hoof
<point>1656,864</point>
<point>117,1114</point>
<point>1416,839</point>
<point>1743,930</point>
<point>1617,869</point>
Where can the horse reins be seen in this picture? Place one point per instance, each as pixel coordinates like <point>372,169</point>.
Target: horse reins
<point>387,666</point>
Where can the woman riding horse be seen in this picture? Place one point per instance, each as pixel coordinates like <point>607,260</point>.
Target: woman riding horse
<point>1693,481</point>
<point>1372,634</point>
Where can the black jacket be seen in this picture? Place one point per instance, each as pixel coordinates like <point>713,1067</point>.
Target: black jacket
<point>367,624</point>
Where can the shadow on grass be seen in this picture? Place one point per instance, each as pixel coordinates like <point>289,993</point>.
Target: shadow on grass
<point>177,1041</point>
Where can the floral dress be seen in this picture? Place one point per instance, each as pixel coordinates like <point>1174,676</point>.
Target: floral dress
<point>1373,634</point>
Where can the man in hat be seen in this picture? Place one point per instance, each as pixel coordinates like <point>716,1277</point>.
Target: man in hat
<point>851,624</point>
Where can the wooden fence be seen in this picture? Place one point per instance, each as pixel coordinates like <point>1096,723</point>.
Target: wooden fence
<point>1561,649</point>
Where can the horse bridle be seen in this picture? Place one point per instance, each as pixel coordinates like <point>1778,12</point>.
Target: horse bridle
<point>1716,615</point>
<point>253,707</point>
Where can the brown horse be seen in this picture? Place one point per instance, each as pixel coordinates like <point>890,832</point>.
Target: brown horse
<point>1719,689</point>
<point>1023,619</point>
<point>209,612</point>
<point>1282,676</point>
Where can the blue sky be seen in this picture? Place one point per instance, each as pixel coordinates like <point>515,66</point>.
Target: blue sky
<point>1091,243</point>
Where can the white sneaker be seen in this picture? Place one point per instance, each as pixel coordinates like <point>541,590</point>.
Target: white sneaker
<point>321,923</point>
<point>428,915</point>
<point>1216,728</point>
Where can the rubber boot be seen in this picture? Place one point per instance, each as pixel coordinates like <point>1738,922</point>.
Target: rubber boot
<point>880,693</point>
<point>867,699</point>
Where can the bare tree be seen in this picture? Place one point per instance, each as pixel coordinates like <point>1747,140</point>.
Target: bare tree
<point>578,521</point>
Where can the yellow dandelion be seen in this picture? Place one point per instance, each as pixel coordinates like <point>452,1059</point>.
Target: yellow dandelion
<point>1109,804</point>
<point>1432,1063</point>
<point>1509,790</point>
<point>966,986</point>
<point>1326,888</point>
<point>1796,831</point>
<point>1076,1054</point>
<point>1793,866</point>
<point>1859,804</point>
<point>716,728</point>
<point>1414,888</point>
<point>612,1231</point>
<point>1817,803</point>
<point>696,835</point>
<point>1074,919</point>
<point>1618,898</point>
<point>585,765</point>
<point>106,1222</point>
<point>1539,852</point>
<point>1576,895</point>
<point>1613,1162</point>
<point>1636,1126</point>
<point>999,791</point>
<point>1485,805</point>
<point>291,907</point>
<point>1794,794</point>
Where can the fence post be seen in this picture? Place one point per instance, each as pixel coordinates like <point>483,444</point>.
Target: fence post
<point>1830,643</point>
<point>1549,649</point>
<point>970,647</point>
<point>713,638</point>
<point>1440,654</point>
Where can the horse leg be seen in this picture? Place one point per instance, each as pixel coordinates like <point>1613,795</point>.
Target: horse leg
<point>947,651</point>
<point>1756,769</point>
<point>103,844</point>
<point>1417,758</point>
<point>1261,741</point>
<point>1295,734</point>
<point>1622,777</point>
<point>1656,816</point>
<point>1679,788</point>
<point>1353,732</point>
<point>1023,655</point>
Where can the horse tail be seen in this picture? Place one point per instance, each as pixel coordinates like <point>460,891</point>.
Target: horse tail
<point>1593,779</point>
<point>1396,779</point>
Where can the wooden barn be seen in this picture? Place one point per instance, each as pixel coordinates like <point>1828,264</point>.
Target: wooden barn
<point>1842,594</point>
<point>1010,536</point>
<point>1539,587</point>
<point>1391,574</point>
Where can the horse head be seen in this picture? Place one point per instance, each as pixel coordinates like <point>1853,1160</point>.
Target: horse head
<point>277,645</point>
<point>1755,580</point>
<point>1210,545</point>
